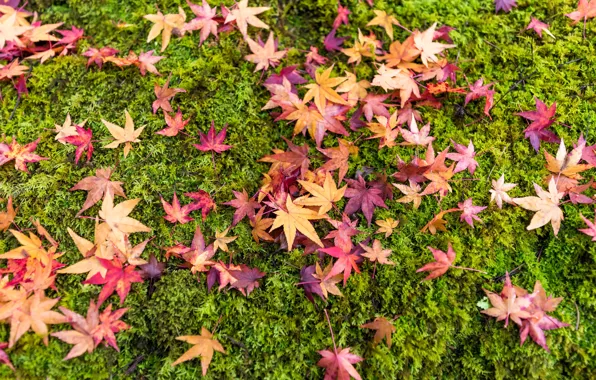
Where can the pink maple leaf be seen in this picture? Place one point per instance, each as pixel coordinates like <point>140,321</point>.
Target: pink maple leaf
<point>469,211</point>
<point>479,90</point>
<point>464,157</point>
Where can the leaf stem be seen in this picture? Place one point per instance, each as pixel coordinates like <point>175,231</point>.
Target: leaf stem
<point>331,330</point>
<point>470,269</point>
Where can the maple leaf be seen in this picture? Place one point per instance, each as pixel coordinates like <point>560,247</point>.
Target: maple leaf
<point>199,255</point>
<point>338,364</point>
<point>204,346</point>
<point>437,223</point>
<point>175,124</point>
<point>333,43</point>
<point>9,32</point>
<point>591,230</point>
<point>146,62</point>
<point>175,213</point>
<point>164,25</point>
<point>295,218</point>
<point>116,217</point>
<point>98,56</point>
<point>327,284</point>
<point>385,130</point>
<point>355,89</point>
<point>376,253</point>
<point>346,261</point>
<point>386,226</point>
<point>264,55</point>
<point>411,192</point>
<point>246,279</point>
<point>362,198</point>
<point>386,21</point>
<point>97,186</point>
<point>244,205</point>
<point>539,26</point>
<point>363,47</point>
<point>82,334</point>
<point>31,247</point>
<point>443,261</point>
<point>117,279</point>
<point>397,79</point>
<point>153,269</point>
<point>504,5</point>
<point>416,136</point>
<point>342,16</point>
<point>499,191</point>
<point>567,165</point>
<point>541,119</point>
<point>424,41</point>
<point>260,225</point>
<point>213,142</point>
<point>164,95</point>
<point>91,253</point>
<point>464,157</point>
<point>506,305</point>
<point>479,90</point>
<point>126,135</point>
<point>7,218</point>
<point>296,158</point>
<point>384,329</point>
<point>71,36</point>
<point>400,53</point>
<point>82,140</point>
<point>585,10</point>
<point>205,20</point>
<point>245,15</point>
<point>546,206</point>
<point>469,211</point>
<point>21,154</point>
<point>12,70</point>
<point>323,90</point>
<point>109,323</point>
<point>202,201</point>
<point>222,240</point>
<point>66,129</point>
<point>35,314</point>
<point>323,196</point>
<point>309,282</point>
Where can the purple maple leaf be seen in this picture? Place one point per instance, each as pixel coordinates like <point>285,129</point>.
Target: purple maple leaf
<point>333,43</point>
<point>362,198</point>
<point>504,5</point>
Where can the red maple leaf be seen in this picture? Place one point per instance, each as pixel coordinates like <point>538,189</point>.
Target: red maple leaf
<point>477,91</point>
<point>82,140</point>
<point>212,142</point>
<point>246,279</point>
<point>175,124</point>
<point>373,105</point>
<point>346,261</point>
<point>541,119</point>
<point>441,265</point>
<point>176,213</point>
<point>338,364</point>
<point>70,36</point>
<point>202,201</point>
<point>109,323</point>
<point>362,198</point>
<point>117,279</point>
<point>244,205</point>
<point>21,154</point>
<point>98,56</point>
<point>164,95</point>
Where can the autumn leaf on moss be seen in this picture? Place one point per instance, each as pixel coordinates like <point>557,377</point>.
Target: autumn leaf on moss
<point>97,186</point>
<point>244,15</point>
<point>99,56</point>
<point>202,201</point>
<point>346,261</point>
<point>91,253</point>
<point>411,194</point>
<point>295,218</point>
<point>34,314</point>
<point>264,55</point>
<point>212,142</point>
<point>164,95</point>
<point>175,213</point>
<point>504,5</point>
<point>499,191</point>
<point>586,9</point>
<point>322,91</point>
<point>174,124</point>
<point>82,334</point>
<point>479,90</point>
<point>338,364</point>
<point>327,283</point>
<point>31,247</point>
<point>109,323</point>
<point>469,212</point>
<point>204,346</point>
<point>246,279</point>
<point>442,263</point>
<point>386,226</point>
<point>506,305</point>
<point>397,79</point>
<point>82,140</point>
<point>416,136</point>
<point>362,197</point>
<point>437,223</point>
<point>126,135</point>
<point>117,279</point>
<point>205,20</point>
<point>10,31</point>
<point>376,253</point>
<point>384,330</point>
<point>7,217</point>
<point>591,230</point>
<point>13,70</point>
<point>324,196</point>
<point>4,359</point>
<point>546,206</point>
<point>66,129</point>
<point>222,239</point>
<point>384,20</point>
<point>117,217</point>
<point>401,52</point>
<point>260,225</point>
<point>567,164</point>
<point>164,25</point>
<point>244,205</point>
<point>21,154</point>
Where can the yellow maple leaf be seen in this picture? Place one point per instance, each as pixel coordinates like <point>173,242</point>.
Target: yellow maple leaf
<point>126,135</point>
<point>296,219</point>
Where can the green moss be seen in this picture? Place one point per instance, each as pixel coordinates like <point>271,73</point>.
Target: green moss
<point>275,333</point>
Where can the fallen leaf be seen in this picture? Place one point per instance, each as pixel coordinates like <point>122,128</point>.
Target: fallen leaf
<point>204,346</point>
<point>384,330</point>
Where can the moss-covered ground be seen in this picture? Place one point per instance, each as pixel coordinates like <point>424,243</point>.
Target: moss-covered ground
<point>275,333</point>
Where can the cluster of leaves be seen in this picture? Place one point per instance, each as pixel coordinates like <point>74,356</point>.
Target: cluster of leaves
<point>21,39</point>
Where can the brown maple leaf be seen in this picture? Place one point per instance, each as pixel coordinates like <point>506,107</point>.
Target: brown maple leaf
<point>126,135</point>
<point>97,186</point>
<point>164,95</point>
<point>437,223</point>
<point>204,346</point>
<point>327,283</point>
<point>384,329</point>
<point>7,217</point>
<point>260,225</point>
